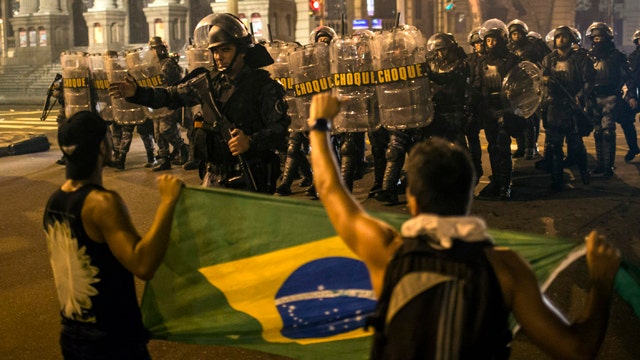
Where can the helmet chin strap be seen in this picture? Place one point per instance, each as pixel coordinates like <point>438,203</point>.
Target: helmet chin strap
<point>227,69</point>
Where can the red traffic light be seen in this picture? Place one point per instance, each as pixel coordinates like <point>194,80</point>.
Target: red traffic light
<point>315,5</point>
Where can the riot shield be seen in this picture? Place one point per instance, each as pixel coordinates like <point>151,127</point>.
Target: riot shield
<point>351,64</point>
<point>75,82</point>
<point>522,88</point>
<point>124,112</point>
<point>310,71</point>
<point>403,88</point>
<point>281,72</point>
<point>199,57</point>
<point>144,66</point>
<point>100,87</point>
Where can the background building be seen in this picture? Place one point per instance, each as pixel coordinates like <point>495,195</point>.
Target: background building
<point>37,31</point>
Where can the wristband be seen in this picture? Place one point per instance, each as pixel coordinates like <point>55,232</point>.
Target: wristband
<point>322,124</point>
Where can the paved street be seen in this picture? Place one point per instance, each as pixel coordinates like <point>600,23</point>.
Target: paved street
<point>30,322</point>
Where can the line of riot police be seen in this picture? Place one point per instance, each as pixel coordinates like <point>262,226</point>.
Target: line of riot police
<point>398,88</point>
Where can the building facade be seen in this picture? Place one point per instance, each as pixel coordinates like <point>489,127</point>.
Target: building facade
<point>37,31</point>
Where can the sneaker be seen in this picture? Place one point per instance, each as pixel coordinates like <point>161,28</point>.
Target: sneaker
<point>61,161</point>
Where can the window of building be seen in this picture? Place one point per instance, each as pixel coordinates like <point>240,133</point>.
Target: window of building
<point>42,36</point>
<point>33,37</point>
<point>158,28</point>
<point>98,34</point>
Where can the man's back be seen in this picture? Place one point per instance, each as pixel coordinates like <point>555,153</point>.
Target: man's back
<point>441,303</point>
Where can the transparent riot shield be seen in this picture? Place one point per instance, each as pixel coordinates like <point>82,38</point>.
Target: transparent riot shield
<point>75,82</point>
<point>403,88</point>
<point>144,66</point>
<point>281,72</point>
<point>310,72</point>
<point>351,68</point>
<point>199,58</point>
<point>522,87</point>
<point>100,87</point>
<point>124,112</point>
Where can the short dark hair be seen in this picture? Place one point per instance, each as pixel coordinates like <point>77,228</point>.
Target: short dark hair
<point>441,177</point>
<point>79,138</point>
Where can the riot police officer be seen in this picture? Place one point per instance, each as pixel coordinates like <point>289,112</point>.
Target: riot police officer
<point>612,72</point>
<point>472,132</point>
<point>296,161</point>
<point>244,115</point>
<point>166,128</point>
<point>567,74</point>
<point>449,71</point>
<point>499,120</point>
<point>634,83</point>
<point>527,50</point>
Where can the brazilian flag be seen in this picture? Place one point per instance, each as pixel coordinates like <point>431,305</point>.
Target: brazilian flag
<point>270,274</point>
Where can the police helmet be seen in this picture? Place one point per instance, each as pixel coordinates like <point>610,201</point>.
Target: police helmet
<point>440,41</point>
<point>636,36</point>
<point>494,27</point>
<point>517,25</point>
<point>201,32</point>
<point>156,41</point>
<point>562,30</point>
<point>534,35</point>
<point>599,29</point>
<point>474,36</point>
<point>322,31</point>
<point>228,29</point>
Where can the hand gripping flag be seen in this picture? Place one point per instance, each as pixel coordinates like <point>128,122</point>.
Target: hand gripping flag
<point>269,274</point>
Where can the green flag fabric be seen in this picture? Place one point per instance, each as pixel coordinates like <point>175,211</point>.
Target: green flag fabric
<point>270,274</point>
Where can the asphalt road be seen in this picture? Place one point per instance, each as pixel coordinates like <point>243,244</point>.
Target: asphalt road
<point>29,320</point>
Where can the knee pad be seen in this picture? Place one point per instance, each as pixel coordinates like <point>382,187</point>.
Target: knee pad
<point>348,147</point>
<point>392,154</point>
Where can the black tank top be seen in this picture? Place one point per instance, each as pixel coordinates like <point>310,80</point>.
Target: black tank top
<point>94,289</point>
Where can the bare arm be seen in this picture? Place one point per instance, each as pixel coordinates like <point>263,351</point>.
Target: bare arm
<point>372,240</point>
<point>107,219</point>
<point>545,325</point>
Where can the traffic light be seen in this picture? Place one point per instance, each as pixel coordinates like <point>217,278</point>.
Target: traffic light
<point>315,7</point>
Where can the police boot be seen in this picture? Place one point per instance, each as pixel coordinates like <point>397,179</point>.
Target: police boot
<point>151,160</point>
<point>290,165</point>
<point>192,163</point>
<point>520,150</point>
<point>118,163</point>
<point>557,173</point>
<point>378,175</point>
<point>184,154</point>
<point>608,156</point>
<point>599,156</point>
<point>163,163</point>
<point>347,170</point>
<point>305,170</point>
<point>389,192</point>
<point>504,180</point>
<point>631,137</point>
